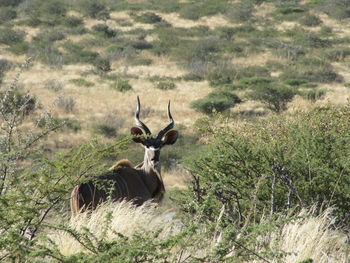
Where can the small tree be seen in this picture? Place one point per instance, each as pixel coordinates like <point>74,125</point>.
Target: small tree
<point>217,101</point>
<point>34,187</point>
<point>275,96</point>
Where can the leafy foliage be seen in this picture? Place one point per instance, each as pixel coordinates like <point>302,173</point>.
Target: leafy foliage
<point>105,30</point>
<point>273,164</point>
<point>165,85</point>
<point>93,8</point>
<point>338,9</point>
<point>311,20</point>
<point>30,193</point>
<point>9,36</point>
<point>275,96</point>
<point>241,12</point>
<point>148,18</point>
<point>121,85</point>
<point>216,101</point>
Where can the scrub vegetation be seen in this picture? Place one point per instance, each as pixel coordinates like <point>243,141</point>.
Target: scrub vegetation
<point>259,93</point>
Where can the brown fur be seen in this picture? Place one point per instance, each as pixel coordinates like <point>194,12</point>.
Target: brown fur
<point>74,200</point>
<point>158,194</point>
<point>133,185</point>
<point>121,163</point>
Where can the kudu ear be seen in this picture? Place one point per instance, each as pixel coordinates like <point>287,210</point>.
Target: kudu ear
<point>137,132</point>
<point>170,137</point>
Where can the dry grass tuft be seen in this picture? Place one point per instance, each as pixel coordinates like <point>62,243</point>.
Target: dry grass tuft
<point>112,218</point>
<point>312,237</point>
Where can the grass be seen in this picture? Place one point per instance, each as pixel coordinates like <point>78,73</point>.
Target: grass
<point>126,219</point>
<point>82,82</point>
<point>305,237</point>
<point>311,237</point>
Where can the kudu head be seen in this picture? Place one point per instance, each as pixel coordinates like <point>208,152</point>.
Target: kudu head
<point>153,144</point>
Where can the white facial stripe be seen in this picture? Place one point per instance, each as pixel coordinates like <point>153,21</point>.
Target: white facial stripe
<point>154,149</point>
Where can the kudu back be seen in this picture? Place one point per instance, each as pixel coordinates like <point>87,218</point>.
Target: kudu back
<point>124,182</point>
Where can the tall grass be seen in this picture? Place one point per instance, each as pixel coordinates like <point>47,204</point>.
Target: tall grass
<point>111,219</point>
<point>312,238</point>
<point>306,238</point>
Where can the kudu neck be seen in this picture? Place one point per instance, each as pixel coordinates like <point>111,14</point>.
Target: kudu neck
<point>148,166</point>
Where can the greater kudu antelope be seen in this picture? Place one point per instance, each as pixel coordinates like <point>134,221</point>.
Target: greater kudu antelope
<point>124,182</point>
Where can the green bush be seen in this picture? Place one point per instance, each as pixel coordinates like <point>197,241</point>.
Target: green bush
<point>10,2</point>
<point>326,31</point>
<point>168,38</point>
<point>336,54</point>
<point>192,77</point>
<point>321,75</point>
<point>14,100</point>
<point>252,82</point>
<point>20,48</point>
<point>43,49</point>
<point>310,20</point>
<point>226,33</point>
<point>289,51</point>
<point>77,53</point>
<point>221,76</point>
<point>72,21</point>
<point>312,69</point>
<point>216,101</point>
<point>72,125</point>
<point>105,30</point>
<point>190,12</point>
<point>5,65</point>
<point>309,85</point>
<point>69,124</point>
<point>253,71</point>
<point>10,37</point>
<point>308,39</point>
<point>338,9</point>
<point>49,36</point>
<point>196,10</point>
<point>47,122</point>
<point>240,12</point>
<point>93,8</point>
<point>52,7</point>
<point>48,13</point>
<point>148,18</point>
<point>102,64</point>
<point>29,197</point>
<point>141,44</point>
<point>165,85</point>
<point>206,50</point>
<point>295,82</point>
<point>121,85</point>
<point>268,166</point>
<point>7,14</point>
<point>314,94</point>
<point>288,12</point>
<point>105,130</point>
<point>275,96</point>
